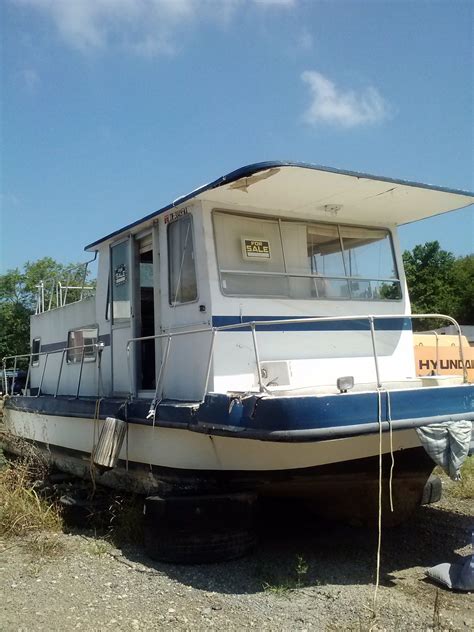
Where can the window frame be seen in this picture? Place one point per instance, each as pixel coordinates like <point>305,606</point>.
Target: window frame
<point>286,274</point>
<point>87,359</point>
<point>35,355</point>
<point>171,304</point>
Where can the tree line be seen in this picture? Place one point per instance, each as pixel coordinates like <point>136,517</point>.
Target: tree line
<point>438,282</point>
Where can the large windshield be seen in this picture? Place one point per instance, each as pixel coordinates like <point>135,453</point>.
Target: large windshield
<point>303,260</point>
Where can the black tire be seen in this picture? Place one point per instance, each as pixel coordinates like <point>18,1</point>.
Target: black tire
<point>197,548</point>
<point>199,529</point>
<point>213,512</point>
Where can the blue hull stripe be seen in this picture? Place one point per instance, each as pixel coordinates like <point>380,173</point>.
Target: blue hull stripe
<point>383,324</point>
<point>313,418</point>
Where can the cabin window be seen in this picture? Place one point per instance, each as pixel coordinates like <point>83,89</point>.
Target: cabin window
<point>302,260</point>
<point>79,342</point>
<point>182,283</point>
<point>120,281</point>
<point>35,349</point>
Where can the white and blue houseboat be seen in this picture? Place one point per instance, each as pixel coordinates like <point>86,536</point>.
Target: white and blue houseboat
<point>254,336</point>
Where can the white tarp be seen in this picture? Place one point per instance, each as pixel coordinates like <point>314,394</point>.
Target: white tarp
<point>447,444</point>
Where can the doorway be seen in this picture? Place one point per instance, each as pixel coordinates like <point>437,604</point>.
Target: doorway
<point>145,313</point>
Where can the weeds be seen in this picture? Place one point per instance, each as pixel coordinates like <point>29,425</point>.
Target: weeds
<point>126,520</point>
<point>99,548</point>
<point>45,546</point>
<point>22,510</point>
<point>282,585</point>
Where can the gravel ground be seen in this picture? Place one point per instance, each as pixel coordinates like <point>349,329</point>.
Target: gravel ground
<point>304,575</point>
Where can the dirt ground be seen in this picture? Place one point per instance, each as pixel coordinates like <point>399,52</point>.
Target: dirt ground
<point>305,575</point>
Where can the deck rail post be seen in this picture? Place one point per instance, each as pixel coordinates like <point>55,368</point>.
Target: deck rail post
<point>30,360</point>
<point>209,362</point>
<point>257,357</point>
<point>59,373</point>
<point>80,370</point>
<point>161,374</point>
<point>42,375</point>
<point>13,376</point>
<point>4,375</point>
<point>374,349</point>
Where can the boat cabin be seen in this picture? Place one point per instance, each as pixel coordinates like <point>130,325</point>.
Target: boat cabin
<point>176,291</point>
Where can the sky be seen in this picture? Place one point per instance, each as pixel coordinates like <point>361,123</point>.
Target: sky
<point>111,109</point>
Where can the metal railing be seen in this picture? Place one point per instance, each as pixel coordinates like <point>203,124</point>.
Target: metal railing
<point>10,390</point>
<point>54,293</point>
<point>253,326</point>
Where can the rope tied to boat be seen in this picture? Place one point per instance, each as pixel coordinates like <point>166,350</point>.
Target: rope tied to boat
<point>380,390</point>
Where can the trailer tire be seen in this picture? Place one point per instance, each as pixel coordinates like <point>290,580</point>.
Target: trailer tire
<point>197,548</point>
<point>198,529</point>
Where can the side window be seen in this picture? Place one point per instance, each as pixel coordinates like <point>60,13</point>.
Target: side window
<point>120,281</point>
<point>182,283</point>
<point>81,341</point>
<point>35,349</point>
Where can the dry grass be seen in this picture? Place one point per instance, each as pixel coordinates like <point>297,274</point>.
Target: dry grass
<point>22,511</point>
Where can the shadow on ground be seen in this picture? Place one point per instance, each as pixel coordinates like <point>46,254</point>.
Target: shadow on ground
<point>297,548</point>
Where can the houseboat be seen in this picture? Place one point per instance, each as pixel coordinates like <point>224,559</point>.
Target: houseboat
<point>252,338</point>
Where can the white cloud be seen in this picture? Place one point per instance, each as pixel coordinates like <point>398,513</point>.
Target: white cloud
<point>146,27</point>
<point>348,108</point>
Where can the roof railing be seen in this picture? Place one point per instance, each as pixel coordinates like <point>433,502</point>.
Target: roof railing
<point>54,292</point>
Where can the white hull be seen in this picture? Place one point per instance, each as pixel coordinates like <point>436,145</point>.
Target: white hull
<point>186,450</point>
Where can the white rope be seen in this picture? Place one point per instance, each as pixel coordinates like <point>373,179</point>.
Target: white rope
<point>392,465</point>
<point>379,523</point>
<point>379,517</point>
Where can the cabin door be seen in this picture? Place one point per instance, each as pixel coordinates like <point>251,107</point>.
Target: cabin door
<point>144,310</point>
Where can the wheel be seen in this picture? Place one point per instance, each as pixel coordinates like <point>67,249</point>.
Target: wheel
<point>199,529</point>
<point>188,547</point>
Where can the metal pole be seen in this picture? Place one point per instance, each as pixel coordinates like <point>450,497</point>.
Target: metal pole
<point>84,277</point>
<point>162,367</point>
<point>14,375</point>
<point>80,371</point>
<point>209,362</point>
<point>257,358</point>
<point>374,348</point>
<point>42,375</point>
<point>50,304</point>
<point>461,353</point>
<point>5,382</point>
<point>60,371</point>
<point>28,374</point>
<point>129,368</point>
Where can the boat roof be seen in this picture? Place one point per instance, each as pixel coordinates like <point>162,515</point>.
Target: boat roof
<point>302,189</point>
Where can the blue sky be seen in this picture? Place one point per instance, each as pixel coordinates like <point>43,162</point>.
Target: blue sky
<point>113,108</point>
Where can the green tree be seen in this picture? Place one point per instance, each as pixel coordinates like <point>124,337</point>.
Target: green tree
<point>18,299</point>
<point>439,283</point>
<point>464,288</point>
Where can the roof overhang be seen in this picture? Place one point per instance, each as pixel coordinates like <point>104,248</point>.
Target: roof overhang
<point>304,190</point>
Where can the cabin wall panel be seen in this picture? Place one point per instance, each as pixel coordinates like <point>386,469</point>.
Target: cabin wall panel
<point>316,358</point>
<point>52,327</point>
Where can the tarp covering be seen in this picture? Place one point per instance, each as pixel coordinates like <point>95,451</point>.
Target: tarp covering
<point>447,444</point>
